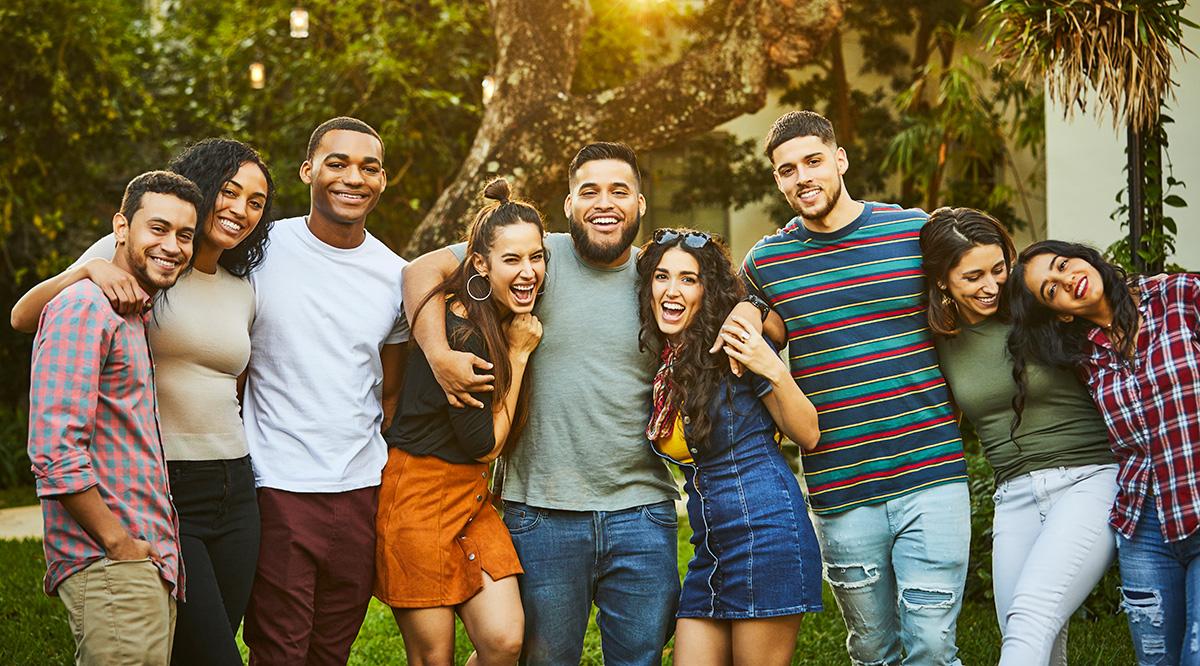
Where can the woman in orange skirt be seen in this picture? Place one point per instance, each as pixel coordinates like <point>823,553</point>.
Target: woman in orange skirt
<point>442,549</point>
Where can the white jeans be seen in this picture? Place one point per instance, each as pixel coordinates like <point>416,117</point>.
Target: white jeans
<point>1051,545</point>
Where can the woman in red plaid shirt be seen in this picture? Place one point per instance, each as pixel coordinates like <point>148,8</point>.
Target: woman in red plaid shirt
<point>1137,343</point>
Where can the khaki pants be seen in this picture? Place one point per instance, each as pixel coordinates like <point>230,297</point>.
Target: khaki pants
<point>121,612</point>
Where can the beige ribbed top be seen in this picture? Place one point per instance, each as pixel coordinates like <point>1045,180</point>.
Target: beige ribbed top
<point>200,340</point>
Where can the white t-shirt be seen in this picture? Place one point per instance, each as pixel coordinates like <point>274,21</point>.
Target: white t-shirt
<point>312,405</point>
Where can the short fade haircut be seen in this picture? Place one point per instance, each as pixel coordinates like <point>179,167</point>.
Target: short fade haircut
<point>340,123</point>
<point>605,150</point>
<point>795,124</point>
<point>160,182</point>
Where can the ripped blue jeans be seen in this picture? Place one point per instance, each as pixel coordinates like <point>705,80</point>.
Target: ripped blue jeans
<point>1160,588</point>
<point>897,570</point>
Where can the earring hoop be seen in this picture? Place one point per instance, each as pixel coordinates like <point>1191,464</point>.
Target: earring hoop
<point>472,295</point>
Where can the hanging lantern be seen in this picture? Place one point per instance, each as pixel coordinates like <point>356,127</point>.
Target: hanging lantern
<point>258,75</point>
<point>489,88</point>
<point>298,20</point>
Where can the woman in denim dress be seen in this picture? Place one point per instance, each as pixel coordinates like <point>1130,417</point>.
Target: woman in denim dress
<point>757,566</point>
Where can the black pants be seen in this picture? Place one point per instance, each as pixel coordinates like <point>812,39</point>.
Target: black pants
<point>219,536</point>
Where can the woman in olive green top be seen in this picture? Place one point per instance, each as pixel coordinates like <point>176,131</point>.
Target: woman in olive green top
<point>1055,474</point>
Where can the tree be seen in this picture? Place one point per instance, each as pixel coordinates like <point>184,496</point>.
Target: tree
<point>535,122</point>
<point>1121,49</point>
<point>925,120</point>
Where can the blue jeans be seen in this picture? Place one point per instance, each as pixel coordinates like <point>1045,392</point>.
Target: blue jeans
<point>1160,586</point>
<point>623,561</point>
<point>897,570</point>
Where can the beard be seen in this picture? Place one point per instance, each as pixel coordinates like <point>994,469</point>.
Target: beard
<point>598,253</point>
<point>818,214</point>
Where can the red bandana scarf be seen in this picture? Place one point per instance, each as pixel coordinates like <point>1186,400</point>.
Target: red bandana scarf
<point>662,418</point>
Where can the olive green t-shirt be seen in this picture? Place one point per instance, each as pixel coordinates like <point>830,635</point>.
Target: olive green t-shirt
<point>1060,426</point>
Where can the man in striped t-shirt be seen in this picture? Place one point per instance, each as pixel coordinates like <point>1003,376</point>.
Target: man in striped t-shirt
<point>887,480</point>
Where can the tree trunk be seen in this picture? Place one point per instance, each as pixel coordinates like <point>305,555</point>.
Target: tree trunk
<point>533,125</point>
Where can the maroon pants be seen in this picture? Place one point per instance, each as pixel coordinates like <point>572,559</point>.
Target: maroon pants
<point>316,566</point>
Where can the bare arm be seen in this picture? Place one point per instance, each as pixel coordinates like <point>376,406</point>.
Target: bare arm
<point>791,410</point>
<point>89,510</point>
<point>454,370</point>
<point>393,358</point>
<point>121,289</point>
<point>524,331</point>
<point>749,314</point>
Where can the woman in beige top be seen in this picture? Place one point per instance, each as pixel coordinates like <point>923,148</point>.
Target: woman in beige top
<point>200,341</point>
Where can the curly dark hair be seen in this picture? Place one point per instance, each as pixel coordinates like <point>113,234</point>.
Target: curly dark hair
<point>696,374</point>
<point>210,164</point>
<point>1038,334</point>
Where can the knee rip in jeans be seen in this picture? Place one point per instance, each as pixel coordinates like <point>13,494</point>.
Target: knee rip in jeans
<point>1194,642</point>
<point>1142,605</point>
<point>916,598</point>
<point>855,662</point>
<point>851,576</point>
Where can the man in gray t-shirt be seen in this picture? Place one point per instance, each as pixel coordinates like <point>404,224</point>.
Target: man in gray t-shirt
<point>589,506</point>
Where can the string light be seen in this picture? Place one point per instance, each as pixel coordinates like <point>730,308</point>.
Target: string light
<point>298,20</point>
<point>258,75</point>
<point>489,88</point>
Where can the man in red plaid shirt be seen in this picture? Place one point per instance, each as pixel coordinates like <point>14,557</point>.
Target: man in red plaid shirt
<point>111,532</point>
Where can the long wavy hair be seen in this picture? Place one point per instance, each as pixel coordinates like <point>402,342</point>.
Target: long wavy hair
<point>946,237</point>
<point>210,164</point>
<point>696,375</point>
<point>484,317</point>
<point>1039,335</point>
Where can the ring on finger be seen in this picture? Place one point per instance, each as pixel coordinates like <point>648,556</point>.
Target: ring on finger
<point>745,336</point>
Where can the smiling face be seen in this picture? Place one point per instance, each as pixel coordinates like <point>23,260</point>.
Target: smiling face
<point>676,292</point>
<point>974,282</point>
<point>809,174</point>
<point>345,175</point>
<point>604,209</point>
<point>156,245</point>
<point>515,266</point>
<point>1069,286</point>
<point>239,207</point>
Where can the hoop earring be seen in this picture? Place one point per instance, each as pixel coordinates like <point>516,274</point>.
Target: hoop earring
<point>473,296</point>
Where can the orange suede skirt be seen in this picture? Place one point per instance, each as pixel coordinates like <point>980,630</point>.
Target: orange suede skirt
<point>437,532</point>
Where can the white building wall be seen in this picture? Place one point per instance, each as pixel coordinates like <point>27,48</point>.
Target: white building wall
<point>1085,158</point>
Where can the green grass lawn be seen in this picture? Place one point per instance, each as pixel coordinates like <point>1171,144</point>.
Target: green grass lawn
<point>33,627</point>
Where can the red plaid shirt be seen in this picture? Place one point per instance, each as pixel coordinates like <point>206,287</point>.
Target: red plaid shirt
<point>1152,407</point>
<point>93,421</point>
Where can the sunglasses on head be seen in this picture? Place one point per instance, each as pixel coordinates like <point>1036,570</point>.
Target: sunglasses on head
<point>692,239</point>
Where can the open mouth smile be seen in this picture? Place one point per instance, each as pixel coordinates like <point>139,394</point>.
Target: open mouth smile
<point>672,313</point>
<point>523,293</point>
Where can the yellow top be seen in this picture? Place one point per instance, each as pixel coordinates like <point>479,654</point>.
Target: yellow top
<point>674,445</point>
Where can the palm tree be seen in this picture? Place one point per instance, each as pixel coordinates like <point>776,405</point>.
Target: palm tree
<point>1123,50</point>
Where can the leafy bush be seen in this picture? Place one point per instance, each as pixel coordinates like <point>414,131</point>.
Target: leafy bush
<point>14,462</point>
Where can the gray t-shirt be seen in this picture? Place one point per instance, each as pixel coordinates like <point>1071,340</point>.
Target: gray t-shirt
<point>585,448</point>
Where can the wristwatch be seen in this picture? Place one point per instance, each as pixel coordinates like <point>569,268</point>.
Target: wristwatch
<point>763,308</point>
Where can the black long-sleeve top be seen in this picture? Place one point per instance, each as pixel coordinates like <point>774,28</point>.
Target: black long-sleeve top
<point>426,424</point>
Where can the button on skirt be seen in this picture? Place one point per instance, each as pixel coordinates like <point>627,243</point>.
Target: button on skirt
<point>436,532</point>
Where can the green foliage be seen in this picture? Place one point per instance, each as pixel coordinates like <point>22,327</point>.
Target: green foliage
<point>1158,238</point>
<point>14,461</point>
<point>33,627</point>
<point>77,120</point>
<point>926,120</point>
<point>411,70</point>
<point>95,92</point>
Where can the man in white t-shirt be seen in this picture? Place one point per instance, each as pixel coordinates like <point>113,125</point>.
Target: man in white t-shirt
<point>324,378</point>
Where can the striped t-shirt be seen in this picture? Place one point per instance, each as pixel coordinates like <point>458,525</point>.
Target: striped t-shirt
<point>861,350</point>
